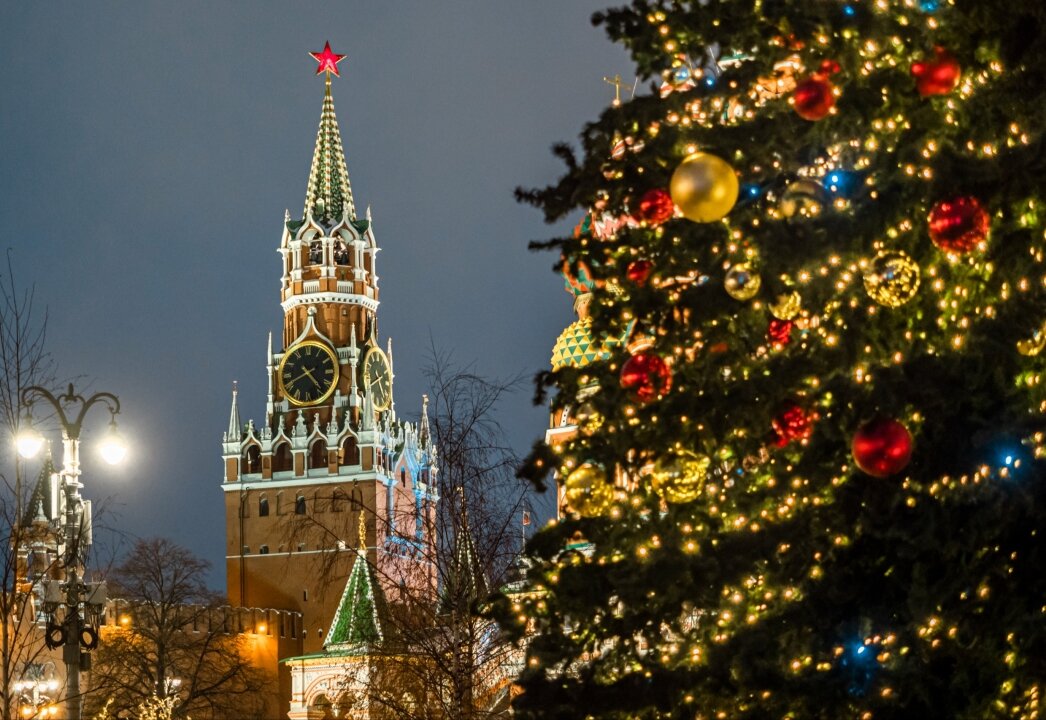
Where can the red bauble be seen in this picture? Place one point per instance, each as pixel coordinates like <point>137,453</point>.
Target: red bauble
<point>938,76</point>
<point>656,207</point>
<point>647,376</point>
<point>958,225</point>
<point>638,271</point>
<point>780,331</point>
<point>792,422</point>
<point>814,97</point>
<point>882,447</point>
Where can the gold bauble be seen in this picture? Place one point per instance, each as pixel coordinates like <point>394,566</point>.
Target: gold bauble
<point>1033,345</point>
<point>802,197</point>
<point>704,187</point>
<point>587,491</point>
<point>680,478</point>
<point>587,418</point>
<point>893,278</point>
<point>787,306</point>
<point>742,282</point>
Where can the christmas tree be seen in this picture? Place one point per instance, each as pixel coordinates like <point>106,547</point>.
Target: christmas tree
<point>807,480</point>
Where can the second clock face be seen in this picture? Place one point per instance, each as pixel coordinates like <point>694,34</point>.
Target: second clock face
<point>308,373</point>
<point>377,376</point>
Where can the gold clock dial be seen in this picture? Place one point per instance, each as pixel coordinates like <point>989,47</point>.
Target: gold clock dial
<point>308,373</point>
<point>377,378</point>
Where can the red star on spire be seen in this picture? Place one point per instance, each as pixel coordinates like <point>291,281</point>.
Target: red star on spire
<point>328,60</point>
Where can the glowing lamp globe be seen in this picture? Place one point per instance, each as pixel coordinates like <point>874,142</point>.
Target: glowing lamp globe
<point>28,442</point>
<point>113,448</point>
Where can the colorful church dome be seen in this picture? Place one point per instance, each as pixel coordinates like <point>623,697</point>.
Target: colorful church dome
<point>576,347</point>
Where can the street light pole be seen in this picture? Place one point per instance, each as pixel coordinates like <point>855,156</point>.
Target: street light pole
<point>73,629</point>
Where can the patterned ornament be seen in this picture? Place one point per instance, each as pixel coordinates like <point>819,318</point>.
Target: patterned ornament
<point>938,76</point>
<point>787,306</point>
<point>958,225</point>
<point>893,278</point>
<point>882,447</point>
<point>679,479</point>
<point>587,491</point>
<point>656,207</point>
<point>638,271</point>
<point>647,376</point>
<point>792,422</point>
<point>803,197</point>
<point>779,332</point>
<point>742,282</point>
<point>814,97</point>
<point>704,187</point>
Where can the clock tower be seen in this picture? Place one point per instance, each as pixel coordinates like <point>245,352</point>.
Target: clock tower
<point>331,453</point>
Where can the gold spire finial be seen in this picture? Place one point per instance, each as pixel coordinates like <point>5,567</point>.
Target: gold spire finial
<point>361,529</point>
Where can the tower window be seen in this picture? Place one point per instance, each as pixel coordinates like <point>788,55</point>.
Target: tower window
<point>299,505</point>
<point>301,547</point>
<point>350,452</point>
<point>341,253</point>
<point>246,550</point>
<point>316,253</point>
<point>318,455</point>
<point>403,477</point>
<point>356,502</point>
<point>263,550</point>
<point>252,460</point>
<point>263,507</point>
<point>281,458</point>
<point>337,500</point>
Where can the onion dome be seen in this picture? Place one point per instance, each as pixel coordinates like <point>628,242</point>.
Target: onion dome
<point>576,347</point>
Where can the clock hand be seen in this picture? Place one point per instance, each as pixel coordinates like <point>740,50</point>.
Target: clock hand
<point>314,381</point>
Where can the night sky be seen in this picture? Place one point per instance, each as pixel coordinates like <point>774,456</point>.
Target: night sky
<point>148,151</point>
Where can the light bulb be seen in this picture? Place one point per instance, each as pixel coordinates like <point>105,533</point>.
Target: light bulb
<point>29,441</point>
<point>113,447</point>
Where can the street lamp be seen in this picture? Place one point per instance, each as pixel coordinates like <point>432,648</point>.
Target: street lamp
<point>78,599</point>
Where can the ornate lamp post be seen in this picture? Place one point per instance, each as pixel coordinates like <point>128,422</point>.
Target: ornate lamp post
<point>81,601</point>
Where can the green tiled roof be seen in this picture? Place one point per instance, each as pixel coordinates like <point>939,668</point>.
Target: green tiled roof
<point>357,622</point>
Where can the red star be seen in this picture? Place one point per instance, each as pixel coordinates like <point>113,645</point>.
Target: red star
<point>328,60</point>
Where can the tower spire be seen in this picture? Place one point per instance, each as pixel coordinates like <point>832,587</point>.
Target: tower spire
<point>424,433</point>
<point>328,195</point>
<point>233,433</point>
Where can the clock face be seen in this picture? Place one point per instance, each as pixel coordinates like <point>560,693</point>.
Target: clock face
<point>377,377</point>
<point>308,373</point>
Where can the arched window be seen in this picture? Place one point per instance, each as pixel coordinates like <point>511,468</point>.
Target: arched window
<point>263,506</point>
<point>337,500</point>
<point>263,550</point>
<point>350,452</point>
<point>316,252</point>
<point>390,500</point>
<point>318,455</point>
<point>299,505</point>
<point>251,462</point>
<point>281,458</point>
<point>403,477</point>
<point>418,516</point>
<point>341,253</point>
<point>281,504</point>
<point>356,501</point>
